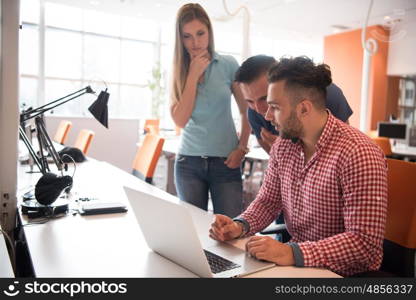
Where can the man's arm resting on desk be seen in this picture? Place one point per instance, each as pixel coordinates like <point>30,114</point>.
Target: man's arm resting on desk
<point>261,247</point>
<point>267,248</point>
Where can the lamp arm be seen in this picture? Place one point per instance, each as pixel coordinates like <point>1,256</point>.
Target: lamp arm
<point>44,108</point>
<point>38,112</point>
<point>45,142</point>
<point>30,148</point>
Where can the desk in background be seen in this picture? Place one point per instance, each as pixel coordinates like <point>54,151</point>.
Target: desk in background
<point>170,149</point>
<point>112,245</point>
<point>404,151</point>
<point>171,146</point>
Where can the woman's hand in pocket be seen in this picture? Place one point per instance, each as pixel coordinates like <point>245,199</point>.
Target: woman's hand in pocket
<point>234,159</point>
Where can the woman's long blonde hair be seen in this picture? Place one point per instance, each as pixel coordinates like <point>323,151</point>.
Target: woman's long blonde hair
<point>181,58</point>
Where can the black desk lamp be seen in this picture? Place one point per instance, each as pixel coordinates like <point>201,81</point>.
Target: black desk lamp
<point>50,186</point>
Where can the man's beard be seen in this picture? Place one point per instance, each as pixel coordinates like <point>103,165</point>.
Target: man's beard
<point>292,129</point>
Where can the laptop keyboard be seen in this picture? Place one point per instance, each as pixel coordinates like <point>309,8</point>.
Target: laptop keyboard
<point>219,264</point>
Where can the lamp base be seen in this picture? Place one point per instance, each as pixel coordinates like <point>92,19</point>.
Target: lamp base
<point>33,209</point>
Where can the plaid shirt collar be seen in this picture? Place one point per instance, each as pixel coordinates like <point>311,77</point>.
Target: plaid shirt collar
<point>325,135</point>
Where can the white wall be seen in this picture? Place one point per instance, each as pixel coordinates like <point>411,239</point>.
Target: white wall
<point>116,145</point>
<point>402,47</point>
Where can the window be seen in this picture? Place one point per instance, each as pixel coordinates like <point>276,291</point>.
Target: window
<point>407,101</point>
<point>61,16</point>
<point>84,47</point>
<point>29,54</point>
<point>137,61</point>
<point>29,11</point>
<point>78,47</point>
<point>28,88</point>
<point>57,88</point>
<point>63,54</point>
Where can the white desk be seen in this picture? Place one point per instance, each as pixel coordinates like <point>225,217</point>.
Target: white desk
<point>112,245</point>
<point>6,269</point>
<point>405,151</point>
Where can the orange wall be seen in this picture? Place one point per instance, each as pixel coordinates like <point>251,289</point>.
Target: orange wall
<point>344,54</point>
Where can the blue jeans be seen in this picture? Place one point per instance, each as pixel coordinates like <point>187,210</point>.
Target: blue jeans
<point>195,176</point>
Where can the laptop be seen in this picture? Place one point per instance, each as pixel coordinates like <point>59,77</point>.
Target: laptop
<point>169,230</point>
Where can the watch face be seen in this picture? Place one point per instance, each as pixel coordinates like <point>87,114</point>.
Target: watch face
<point>244,227</point>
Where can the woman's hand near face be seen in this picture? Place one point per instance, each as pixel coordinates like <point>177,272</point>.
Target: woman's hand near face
<point>199,63</point>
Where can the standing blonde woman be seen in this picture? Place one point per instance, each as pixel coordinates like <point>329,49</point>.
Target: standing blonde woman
<point>210,152</point>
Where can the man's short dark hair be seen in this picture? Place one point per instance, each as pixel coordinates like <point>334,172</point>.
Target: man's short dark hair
<point>253,67</point>
<point>302,78</point>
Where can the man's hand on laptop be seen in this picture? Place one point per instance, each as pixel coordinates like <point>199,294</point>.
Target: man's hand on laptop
<point>224,228</point>
<point>267,248</point>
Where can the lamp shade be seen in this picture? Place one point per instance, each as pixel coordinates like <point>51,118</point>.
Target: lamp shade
<point>99,108</point>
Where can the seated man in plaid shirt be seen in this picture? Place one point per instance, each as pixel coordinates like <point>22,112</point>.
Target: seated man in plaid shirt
<point>328,179</point>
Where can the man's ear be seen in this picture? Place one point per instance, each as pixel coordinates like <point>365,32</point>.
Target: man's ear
<point>305,108</point>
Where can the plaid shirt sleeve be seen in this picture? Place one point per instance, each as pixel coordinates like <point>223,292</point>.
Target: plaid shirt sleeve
<point>267,205</point>
<point>363,180</point>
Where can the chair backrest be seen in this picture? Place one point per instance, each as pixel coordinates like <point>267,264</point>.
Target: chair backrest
<point>399,247</point>
<point>62,132</point>
<point>401,211</point>
<point>372,133</point>
<point>384,144</point>
<point>147,156</point>
<point>84,139</point>
<point>152,126</point>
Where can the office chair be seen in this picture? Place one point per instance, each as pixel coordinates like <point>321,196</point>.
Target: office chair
<point>400,237</point>
<point>62,132</point>
<point>384,144</point>
<point>147,156</point>
<point>372,133</point>
<point>84,139</point>
<point>152,126</point>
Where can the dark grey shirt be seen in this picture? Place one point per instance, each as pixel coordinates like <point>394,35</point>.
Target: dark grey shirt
<point>335,102</point>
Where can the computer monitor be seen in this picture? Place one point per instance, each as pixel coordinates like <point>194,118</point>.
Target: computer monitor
<point>392,130</point>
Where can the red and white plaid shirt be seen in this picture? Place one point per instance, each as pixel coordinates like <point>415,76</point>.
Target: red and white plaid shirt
<point>334,206</point>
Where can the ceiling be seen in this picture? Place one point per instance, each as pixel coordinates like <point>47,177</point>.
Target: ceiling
<point>311,19</point>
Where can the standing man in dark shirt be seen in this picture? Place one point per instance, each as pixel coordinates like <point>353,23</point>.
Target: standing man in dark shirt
<point>252,76</point>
